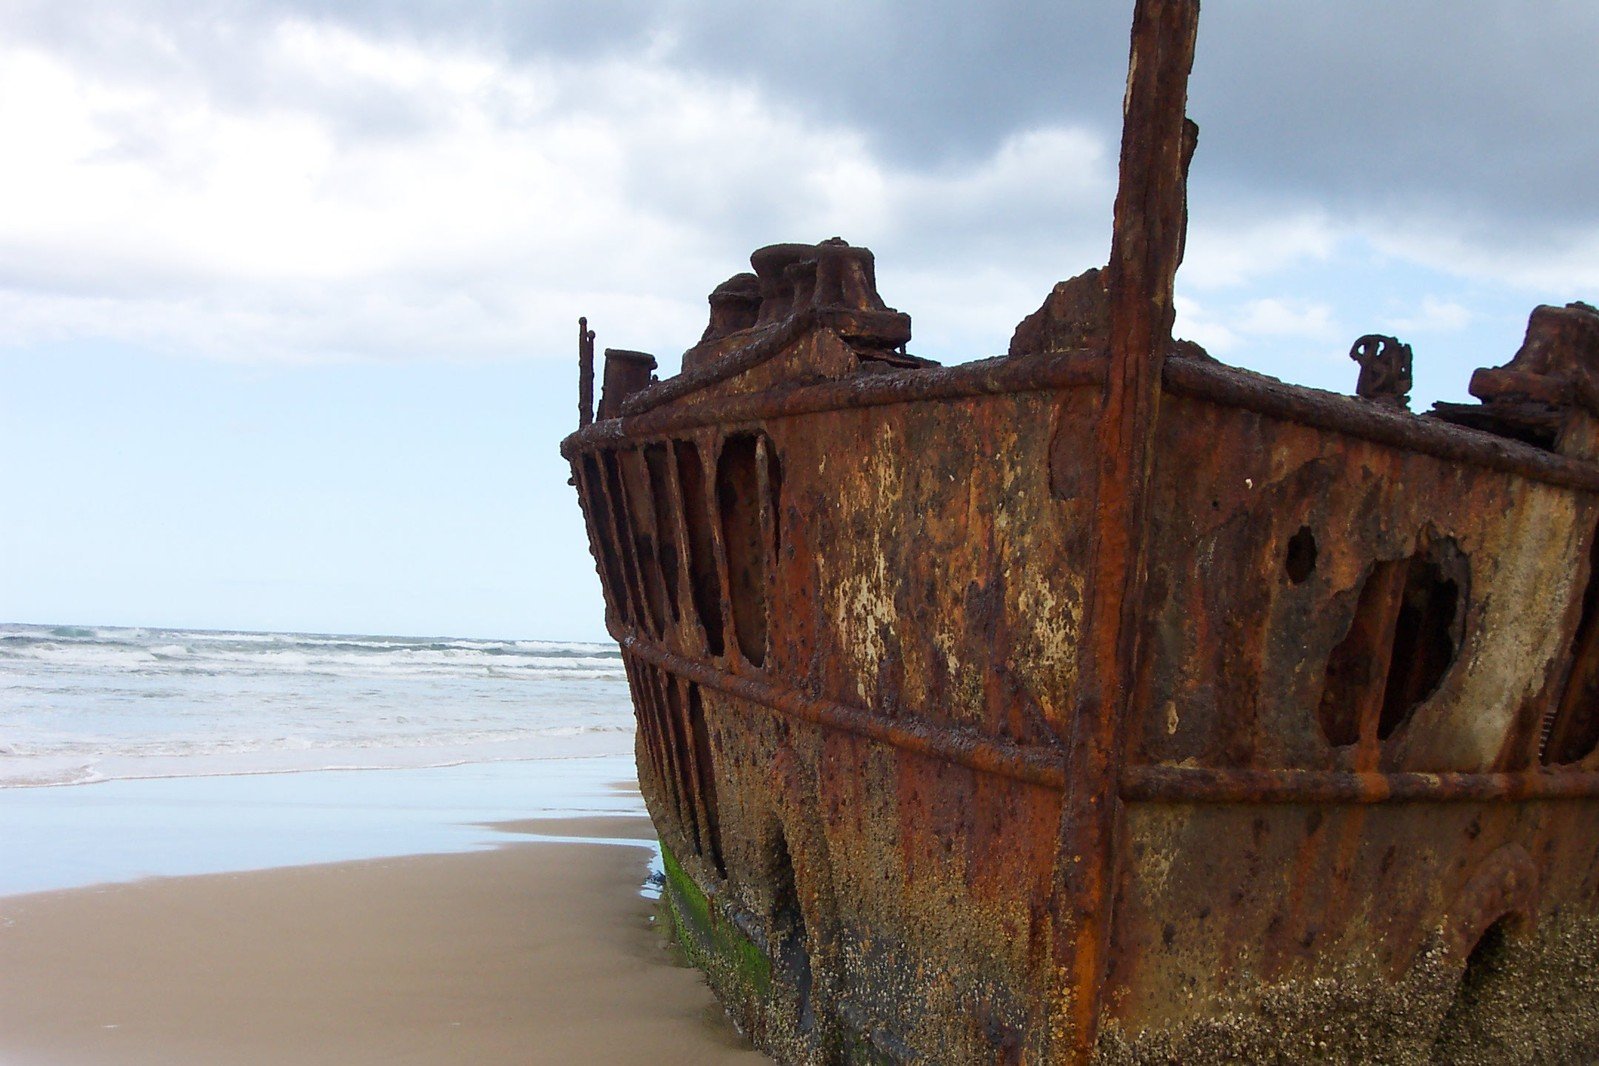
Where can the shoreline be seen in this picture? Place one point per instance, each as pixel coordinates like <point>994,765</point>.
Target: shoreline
<point>122,830</point>
<point>527,951</point>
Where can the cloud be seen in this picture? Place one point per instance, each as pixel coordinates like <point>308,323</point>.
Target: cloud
<point>509,190</point>
<point>1477,109</point>
<point>1223,329</point>
<point>1226,250</point>
<point>1286,318</point>
<point>304,179</point>
<point>1197,322</point>
<point>1561,265</point>
<point>487,207</point>
<point>1437,316</point>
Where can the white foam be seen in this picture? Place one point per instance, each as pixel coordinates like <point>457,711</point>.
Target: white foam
<point>94,703</point>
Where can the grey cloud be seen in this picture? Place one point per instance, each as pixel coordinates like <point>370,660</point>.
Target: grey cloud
<point>1476,116</point>
<point>928,81</point>
<point>1484,113</point>
<point>1479,115</point>
<point>572,29</point>
<point>211,51</point>
<point>932,81</point>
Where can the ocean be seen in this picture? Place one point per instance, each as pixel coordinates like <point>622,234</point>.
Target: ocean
<point>129,753</point>
<point>80,704</point>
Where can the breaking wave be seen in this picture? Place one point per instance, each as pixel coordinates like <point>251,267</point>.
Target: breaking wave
<point>84,703</point>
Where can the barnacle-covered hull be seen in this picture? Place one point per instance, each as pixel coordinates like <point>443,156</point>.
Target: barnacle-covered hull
<point>1100,702</point>
<point>866,824</point>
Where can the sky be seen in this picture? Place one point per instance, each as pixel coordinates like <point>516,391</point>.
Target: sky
<point>288,288</point>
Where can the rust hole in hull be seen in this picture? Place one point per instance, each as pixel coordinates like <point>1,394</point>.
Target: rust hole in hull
<point>667,520</point>
<point>792,937</point>
<point>1404,637</point>
<point>742,487</point>
<point>1484,979</point>
<point>605,541</point>
<point>1356,665</point>
<point>1301,560</point>
<point>704,584</point>
<point>1425,642</point>
<point>706,775</point>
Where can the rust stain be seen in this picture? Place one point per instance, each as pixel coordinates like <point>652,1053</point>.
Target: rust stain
<point>1100,702</point>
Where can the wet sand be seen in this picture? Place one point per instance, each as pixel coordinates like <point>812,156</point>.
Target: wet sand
<point>529,953</point>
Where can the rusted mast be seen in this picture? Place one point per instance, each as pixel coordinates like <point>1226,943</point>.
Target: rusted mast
<point>1145,249</point>
<point>585,373</point>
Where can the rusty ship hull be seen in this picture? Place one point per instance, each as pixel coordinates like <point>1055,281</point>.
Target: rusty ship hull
<point>1100,702</point>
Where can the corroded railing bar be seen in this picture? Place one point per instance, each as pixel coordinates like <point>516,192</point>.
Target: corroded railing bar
<point>1185,784</point>
<point>1217,383</point>
<point>989,377</point>
<point>1041,765</point>
<point>1033,765</point>
<point>1319,409</point>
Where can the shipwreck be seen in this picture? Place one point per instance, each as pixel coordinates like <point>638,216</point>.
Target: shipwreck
<point>1101,702</point>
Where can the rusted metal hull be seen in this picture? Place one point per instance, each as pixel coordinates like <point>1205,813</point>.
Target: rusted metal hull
<point>1101,703</point>
<point>900,748</point>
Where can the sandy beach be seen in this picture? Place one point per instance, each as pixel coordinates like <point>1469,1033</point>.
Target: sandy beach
<point>532,952</point>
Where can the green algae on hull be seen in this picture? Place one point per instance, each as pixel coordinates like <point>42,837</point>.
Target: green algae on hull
<point>738,969</point>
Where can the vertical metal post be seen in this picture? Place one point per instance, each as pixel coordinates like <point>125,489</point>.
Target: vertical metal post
<point>1151,206</point>
<point>585,373</point>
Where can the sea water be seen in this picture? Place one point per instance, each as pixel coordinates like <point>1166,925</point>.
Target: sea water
<point>135,752</point>
<point>82,704</point>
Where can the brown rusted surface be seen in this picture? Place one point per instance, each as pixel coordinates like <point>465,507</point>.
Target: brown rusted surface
<point>1180,784</point>
<point>1146,247</point>
<point>626,373</point>
<point>1102,703</point>
<point>1075,314</point>
<point>1385,369</point>
<point>1548,394</point>
<point>1247,391</point>
<point>1032,764</point>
